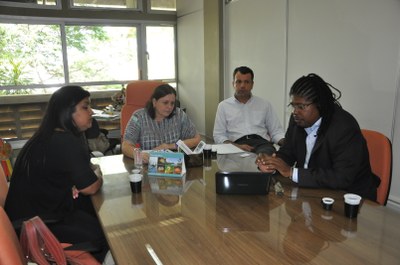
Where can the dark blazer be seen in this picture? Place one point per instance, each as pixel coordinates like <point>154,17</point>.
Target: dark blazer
<point>339,159</point>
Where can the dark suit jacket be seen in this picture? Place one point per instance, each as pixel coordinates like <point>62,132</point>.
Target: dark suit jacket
<point>339,159</point>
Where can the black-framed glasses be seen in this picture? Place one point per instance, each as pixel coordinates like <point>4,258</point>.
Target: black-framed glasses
<point>299,106</point>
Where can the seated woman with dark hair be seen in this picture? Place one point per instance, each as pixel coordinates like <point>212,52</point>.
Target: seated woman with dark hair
<point>159,125</point>
<point>53,175</point>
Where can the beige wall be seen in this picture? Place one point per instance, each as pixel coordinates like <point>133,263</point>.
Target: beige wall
<point>199,45</point>
<point>354,44</point>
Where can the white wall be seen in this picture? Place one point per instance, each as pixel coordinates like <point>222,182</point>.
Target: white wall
<point>255,37</point>
<point>191,60</point>
<point>352,44</point>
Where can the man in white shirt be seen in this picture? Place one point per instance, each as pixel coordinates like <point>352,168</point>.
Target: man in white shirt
<point>245,120</point>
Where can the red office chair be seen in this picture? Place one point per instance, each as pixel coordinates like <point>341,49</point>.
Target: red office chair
<point>380,157</point>
<point>3,187</point>
<point>136,96</point>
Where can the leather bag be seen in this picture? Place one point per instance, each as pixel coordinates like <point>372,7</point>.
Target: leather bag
<point>41,246</point>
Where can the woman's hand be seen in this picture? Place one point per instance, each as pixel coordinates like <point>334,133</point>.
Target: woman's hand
<point>75,192</point>
<point>165,147</point>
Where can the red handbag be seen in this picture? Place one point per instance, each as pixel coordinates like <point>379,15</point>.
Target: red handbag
<point>41,246</point>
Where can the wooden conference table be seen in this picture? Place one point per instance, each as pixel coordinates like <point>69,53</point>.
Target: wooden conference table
<point>191,224</point>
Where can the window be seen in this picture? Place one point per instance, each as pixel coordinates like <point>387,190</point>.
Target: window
<point>31,58</point>
<point>160,52</point>
<point>106,3</point>
<point>30,3</point>
<point>30,54</point>
<point>102,53</point>
<point>163,5</point>
<point>76,43</point>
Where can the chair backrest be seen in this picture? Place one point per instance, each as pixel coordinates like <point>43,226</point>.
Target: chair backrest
<point>380,157</point>
<point>137,94</point>
<point>11,252</point>
<point>3,187</point>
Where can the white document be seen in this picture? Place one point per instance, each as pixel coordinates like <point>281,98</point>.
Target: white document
<point>224,149</point>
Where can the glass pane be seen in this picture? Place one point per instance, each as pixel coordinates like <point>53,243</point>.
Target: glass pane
<point>102,53</point>
<point>30,2</point>
<point>106,3</point>
<point>30,54</point>
<point>161,52</point>
<point>165,5</point>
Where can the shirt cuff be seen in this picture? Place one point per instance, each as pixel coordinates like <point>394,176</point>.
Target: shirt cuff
<point>295,174</point>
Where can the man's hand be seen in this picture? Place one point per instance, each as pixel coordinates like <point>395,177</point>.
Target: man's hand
<point>269,164</point>
<point>245,147</point>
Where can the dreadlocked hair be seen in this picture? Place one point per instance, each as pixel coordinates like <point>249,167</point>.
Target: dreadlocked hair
<point>315,90</point>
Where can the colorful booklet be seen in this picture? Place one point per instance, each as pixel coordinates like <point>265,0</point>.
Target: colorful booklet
<point>166,164</point>
<point>169,185</point>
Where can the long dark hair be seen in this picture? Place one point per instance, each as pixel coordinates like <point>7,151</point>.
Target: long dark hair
<point>314,89</point>
<point>58,115</point>
<point>159,92</point>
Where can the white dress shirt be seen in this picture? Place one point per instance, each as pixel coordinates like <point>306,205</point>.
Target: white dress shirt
<point>235,120</point>
<point>310,142</point>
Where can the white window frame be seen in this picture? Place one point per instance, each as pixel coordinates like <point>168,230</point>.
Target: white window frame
<point>141,44</point>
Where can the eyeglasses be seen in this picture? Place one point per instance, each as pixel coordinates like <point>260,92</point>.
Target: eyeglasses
<point>299,106</point>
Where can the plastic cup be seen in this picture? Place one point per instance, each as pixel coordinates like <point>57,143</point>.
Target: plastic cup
<point>327,203</point>
<point>349,228</point>
<point>351,205</point>
<point>207,151</point>
<point>136,182</point>
<point>138,160</point>
<point>214,152</point>
<point>137,200</point>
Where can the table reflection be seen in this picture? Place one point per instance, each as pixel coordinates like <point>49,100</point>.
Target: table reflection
<point>186,222</point>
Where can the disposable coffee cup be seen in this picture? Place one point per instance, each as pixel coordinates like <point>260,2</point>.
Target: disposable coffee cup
<point>214,152</point>
<point>136,171</point>
<point>207,164</point>
<point>136,182</point>
<point>349,228</point>
<point>351,205</point>
<point>207,151</point>
<point>137,200</point>
<point>327,203</point>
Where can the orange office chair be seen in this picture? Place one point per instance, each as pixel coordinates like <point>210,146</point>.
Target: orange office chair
<point>3,187</point>
<point>136,96</point>
<point>380,157</point>
<point>11,251</point>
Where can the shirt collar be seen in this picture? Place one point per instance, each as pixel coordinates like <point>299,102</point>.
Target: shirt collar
<point>314,127</point>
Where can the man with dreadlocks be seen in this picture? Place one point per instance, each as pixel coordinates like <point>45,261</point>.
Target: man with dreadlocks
<point>324,146</point>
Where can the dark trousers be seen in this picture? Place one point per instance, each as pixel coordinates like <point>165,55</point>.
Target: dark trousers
<point>260,145</point>
<point>82,227</point>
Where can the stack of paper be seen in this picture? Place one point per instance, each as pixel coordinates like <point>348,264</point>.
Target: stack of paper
<point>224,149</point>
